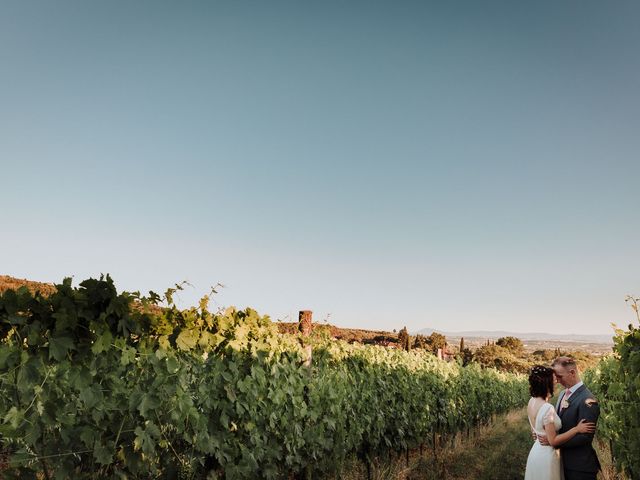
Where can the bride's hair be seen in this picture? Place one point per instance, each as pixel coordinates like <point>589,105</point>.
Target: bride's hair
<point>541,381</point>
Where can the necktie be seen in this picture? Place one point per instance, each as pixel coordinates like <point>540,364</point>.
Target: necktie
<point>565,397</point>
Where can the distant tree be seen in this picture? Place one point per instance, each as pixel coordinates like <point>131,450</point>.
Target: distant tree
<point>488,354</point>
<point>435,341</point>
<point>404,339</point>
<point>465,356</point>
<point>462,344</point>
<point>513,344</point>
<point>583,359</point>
<point>498,357</point>
<point>385,340</point>
<point>420,341</point>
<point>543,356</point>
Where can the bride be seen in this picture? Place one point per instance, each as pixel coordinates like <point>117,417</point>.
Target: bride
<point>544,462</point>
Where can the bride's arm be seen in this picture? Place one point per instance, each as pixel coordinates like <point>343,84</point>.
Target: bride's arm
<point>555,439</point>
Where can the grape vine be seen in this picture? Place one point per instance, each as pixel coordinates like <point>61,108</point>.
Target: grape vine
<point>616,383</point>
<point>100,384</point>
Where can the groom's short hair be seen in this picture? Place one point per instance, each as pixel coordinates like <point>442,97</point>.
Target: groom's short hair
<point>566,362</point>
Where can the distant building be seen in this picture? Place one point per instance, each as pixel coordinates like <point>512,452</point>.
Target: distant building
<point>445,355</point>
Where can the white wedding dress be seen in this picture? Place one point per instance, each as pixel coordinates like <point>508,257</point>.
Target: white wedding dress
<point>544,462</point>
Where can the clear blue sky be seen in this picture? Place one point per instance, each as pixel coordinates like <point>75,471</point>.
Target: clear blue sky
<point>455,165</point>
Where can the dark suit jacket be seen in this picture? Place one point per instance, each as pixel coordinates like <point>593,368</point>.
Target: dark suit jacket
<point>578,453</point>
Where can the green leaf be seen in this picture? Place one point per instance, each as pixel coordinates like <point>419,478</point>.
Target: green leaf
<point>187,340</point>
<point>152,429</point>
<point>163,341</point>
<point>88,436</point>
<point>128,356</point>
<point>13,417</point>
<point>103,453</point>
<point>172,365</point>
<point>148,402</point>
<point>91,396</point>
<point>102,343</point>
<point>64,321</point>
<point>29,375</point>
<point>80,378</point>
<point>9,356</point>
<point>59,346</point>
<point>143,441</point>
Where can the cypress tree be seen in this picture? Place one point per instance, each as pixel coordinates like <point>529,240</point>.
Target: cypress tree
<point>403,339</point>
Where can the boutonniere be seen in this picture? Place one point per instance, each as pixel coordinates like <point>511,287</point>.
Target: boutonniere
<point>565,404</point>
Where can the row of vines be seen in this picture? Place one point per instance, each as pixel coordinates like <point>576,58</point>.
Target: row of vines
<point>100,384</point>
<point>616,383</point>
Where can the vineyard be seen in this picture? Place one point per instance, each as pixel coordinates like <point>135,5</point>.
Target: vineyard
<point>100,384</point>
<point>616,383</point>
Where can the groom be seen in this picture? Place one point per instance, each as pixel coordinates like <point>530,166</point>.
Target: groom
<point>575,403</point>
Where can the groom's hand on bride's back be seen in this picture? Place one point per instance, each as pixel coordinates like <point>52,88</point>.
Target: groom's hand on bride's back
<point>543,440</point>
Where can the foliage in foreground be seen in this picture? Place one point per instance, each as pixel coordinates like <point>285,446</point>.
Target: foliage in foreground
<point>616,383</point>
<point>96,384</point>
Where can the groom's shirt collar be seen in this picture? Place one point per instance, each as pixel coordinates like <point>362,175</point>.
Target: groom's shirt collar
<point>575,387</point>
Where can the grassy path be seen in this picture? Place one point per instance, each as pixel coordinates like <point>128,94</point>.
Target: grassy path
<point>495,452</point>
<point>498,452</point>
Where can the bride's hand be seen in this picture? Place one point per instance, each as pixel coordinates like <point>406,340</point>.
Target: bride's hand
<point>586,427</point>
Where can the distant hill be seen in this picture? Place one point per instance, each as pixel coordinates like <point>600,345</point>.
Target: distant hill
<point>12,283</point>
<point>548,337</point>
